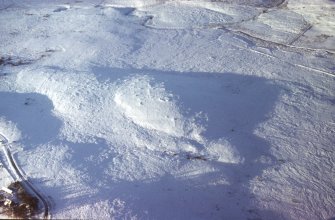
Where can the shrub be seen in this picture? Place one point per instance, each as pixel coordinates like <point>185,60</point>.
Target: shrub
<point>27,204</point>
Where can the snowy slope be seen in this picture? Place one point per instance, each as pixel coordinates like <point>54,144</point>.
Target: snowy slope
<point>171,109</point>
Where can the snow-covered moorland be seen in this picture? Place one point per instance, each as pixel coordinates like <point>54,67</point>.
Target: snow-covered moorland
<point>152,109</point>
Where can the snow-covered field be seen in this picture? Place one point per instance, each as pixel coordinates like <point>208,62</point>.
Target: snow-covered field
<point>130,109</point>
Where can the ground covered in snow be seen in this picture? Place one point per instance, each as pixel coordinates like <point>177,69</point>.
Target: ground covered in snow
<point>130,109</point>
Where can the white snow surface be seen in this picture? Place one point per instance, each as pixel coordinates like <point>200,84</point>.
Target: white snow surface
<point>171,109</point>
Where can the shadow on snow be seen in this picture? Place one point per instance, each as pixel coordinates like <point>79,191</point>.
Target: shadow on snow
<point>32,114</point>
<point>235,106</point>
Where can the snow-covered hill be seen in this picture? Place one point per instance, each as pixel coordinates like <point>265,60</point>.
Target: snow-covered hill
<point>171,109</point>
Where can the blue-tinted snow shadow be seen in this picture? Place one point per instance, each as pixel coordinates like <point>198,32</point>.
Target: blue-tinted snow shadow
<point>235,106</point>
<point>188,198</point>
<point>32,114</point>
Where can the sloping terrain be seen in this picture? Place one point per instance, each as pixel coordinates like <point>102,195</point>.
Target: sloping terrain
<point>171,109</point>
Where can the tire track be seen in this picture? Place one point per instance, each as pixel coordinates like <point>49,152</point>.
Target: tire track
<point>282,46</point>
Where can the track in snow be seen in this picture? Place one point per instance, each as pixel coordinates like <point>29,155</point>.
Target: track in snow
<point>24,180</point>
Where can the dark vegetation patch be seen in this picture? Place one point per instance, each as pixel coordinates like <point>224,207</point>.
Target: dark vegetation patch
<point>29,101</point>
<point>11,61</point>
<point>17,61</point>
<point>196,157</point>
<point>20,204</point>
